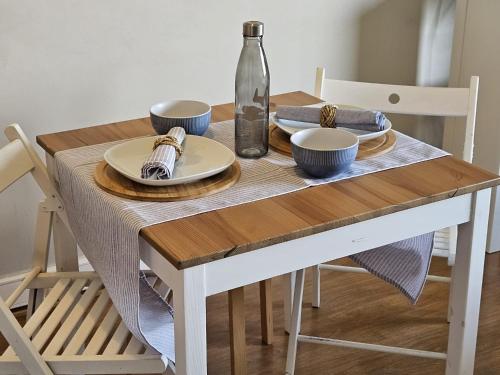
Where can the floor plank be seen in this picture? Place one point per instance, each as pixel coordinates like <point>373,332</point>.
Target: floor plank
<point>359,307</point>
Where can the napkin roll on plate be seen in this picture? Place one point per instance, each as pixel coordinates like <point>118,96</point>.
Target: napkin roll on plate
<point>359,119</point>
<point>161,163</point>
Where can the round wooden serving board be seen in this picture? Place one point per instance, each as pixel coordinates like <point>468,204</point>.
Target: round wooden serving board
<point>280,142</point>
<point>114,183</point>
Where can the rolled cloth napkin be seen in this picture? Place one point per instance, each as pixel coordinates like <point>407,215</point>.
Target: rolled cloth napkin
<point>360,119</point>
<point>161,163</point>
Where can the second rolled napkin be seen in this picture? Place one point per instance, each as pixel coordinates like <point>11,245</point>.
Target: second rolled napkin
<point>345,118</point>
<point>161,163</point>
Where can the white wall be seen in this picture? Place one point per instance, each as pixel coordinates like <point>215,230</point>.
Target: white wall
<point>67,64</point>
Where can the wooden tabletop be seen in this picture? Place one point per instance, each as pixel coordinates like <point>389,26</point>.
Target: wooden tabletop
<point>227,232</point>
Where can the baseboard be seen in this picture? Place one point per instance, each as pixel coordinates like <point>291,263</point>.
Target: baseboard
<point>9,283</point>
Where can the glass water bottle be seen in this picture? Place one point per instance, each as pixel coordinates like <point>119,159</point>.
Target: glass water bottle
<point>251,115</point>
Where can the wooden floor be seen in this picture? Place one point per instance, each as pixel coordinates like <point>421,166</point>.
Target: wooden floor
<point>360,307</point>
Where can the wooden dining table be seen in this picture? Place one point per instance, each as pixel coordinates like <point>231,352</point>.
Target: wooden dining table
<point>226,249</point>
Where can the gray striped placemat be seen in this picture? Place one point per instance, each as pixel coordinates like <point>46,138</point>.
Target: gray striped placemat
<point>107,227</point>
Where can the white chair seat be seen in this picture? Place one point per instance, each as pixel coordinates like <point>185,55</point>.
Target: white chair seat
<point>76,329</point>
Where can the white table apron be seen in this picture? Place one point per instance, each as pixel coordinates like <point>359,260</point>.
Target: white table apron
<point>193,285</point>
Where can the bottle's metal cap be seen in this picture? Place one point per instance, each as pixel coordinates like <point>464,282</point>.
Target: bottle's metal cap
<point>253,28</point>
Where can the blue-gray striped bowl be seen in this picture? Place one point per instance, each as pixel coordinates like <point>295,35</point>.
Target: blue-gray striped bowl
<point>191,115</point>
<point>324,152</point>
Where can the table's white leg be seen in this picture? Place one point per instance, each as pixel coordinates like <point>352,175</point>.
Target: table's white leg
<point>288,290</point>
<point>190,323</point>
<point>295,328</point>
<point>467,282</point>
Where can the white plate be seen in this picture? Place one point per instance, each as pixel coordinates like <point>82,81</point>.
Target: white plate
<point>202,157</point>
<point>290,127</point>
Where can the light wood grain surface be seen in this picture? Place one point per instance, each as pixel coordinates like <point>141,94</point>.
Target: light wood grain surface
<point>227,232</point>
<point>114,183</point>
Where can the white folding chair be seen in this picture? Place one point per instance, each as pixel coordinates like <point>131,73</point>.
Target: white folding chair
<point>410,100</point>
<point>74,328</point>
<point>433,101</point>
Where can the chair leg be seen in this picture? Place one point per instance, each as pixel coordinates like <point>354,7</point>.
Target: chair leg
<point>237,331</point>
<point>450,298</point>
<point>452,244</point>
<point>295,328</point>
<point>316,297</point>
<point>266,311</point>
<point>35,298</point>
<point>43,229</point>
<point>288,288</point>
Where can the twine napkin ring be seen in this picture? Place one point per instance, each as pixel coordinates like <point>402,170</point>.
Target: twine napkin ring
<point>168,140</point>
<point>327,118</point>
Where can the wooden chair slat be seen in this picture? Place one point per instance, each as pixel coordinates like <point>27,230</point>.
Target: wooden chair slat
<point>21,288</point>
<point>43,310</point>
<point>103,332</point>
<point>118,339</point>
<point>150,351</point>
<point>414,100</point>
<point>92,364</point>
<point>162,289</point>
<point>134,346</point>
<point>12,365</point>
<point>64,305</point>
<point>48,279</point>
<point>89,323</point>
<point>97,364</point>
<point>71,322</point>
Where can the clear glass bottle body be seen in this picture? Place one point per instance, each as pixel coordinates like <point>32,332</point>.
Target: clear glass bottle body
<point>251,115</point>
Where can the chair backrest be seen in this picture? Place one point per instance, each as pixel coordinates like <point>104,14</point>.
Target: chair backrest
<point>412,100</point>
<point>15,162</point>
<point>19,157</point>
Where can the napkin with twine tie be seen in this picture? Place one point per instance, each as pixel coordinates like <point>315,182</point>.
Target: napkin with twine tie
<point>161,163</point>
<point>360,119</point>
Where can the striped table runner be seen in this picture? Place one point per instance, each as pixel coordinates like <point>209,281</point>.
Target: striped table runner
<point>107,227</point>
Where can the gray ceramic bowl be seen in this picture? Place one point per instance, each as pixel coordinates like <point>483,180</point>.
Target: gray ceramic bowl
<point>324,152</point>
<point>191,115</point>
